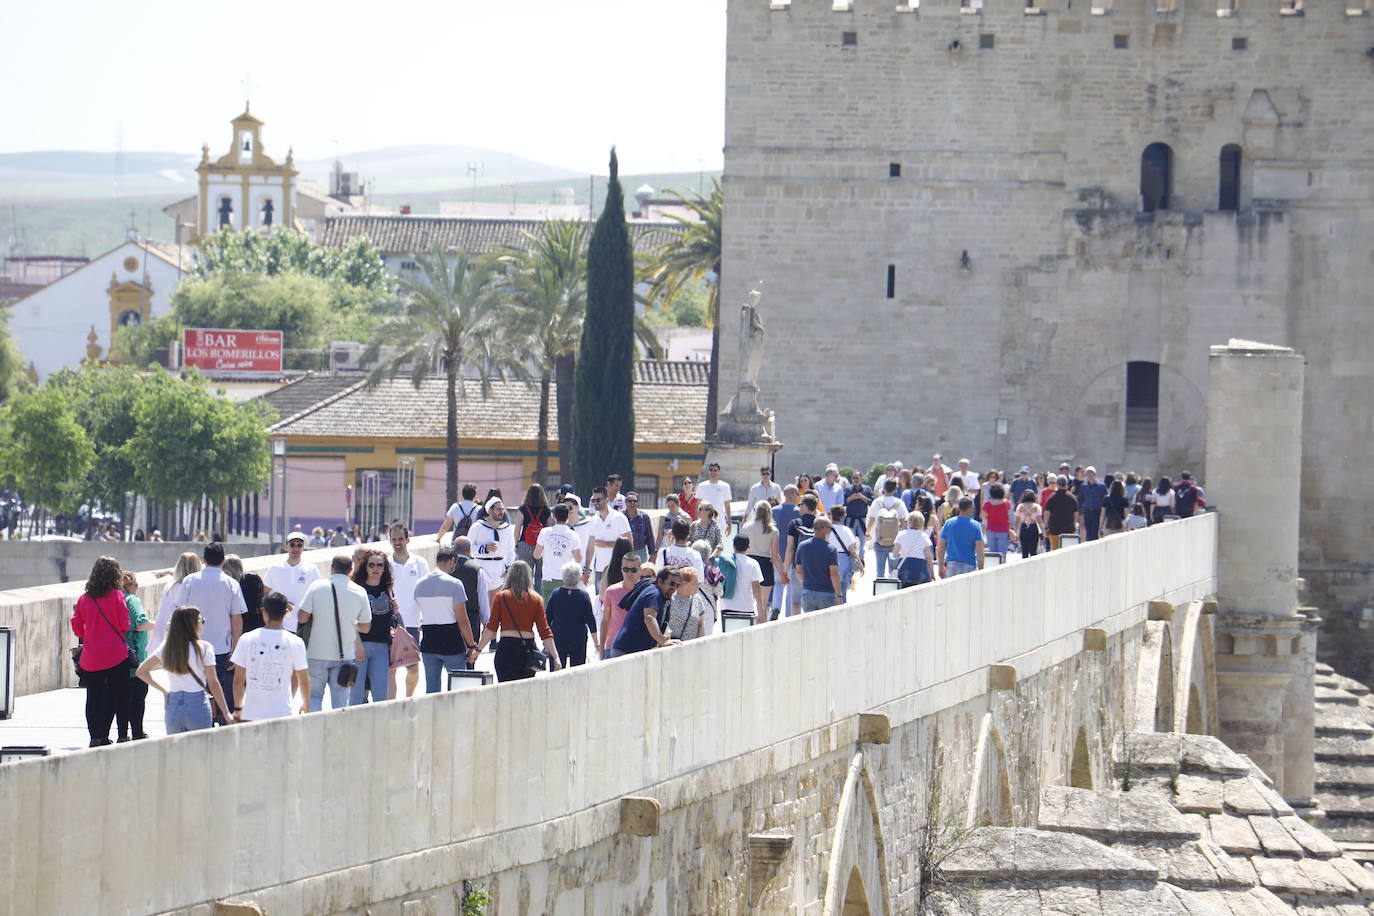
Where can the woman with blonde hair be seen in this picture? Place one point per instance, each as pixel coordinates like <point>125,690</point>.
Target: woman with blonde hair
<point>763,543</point>
<point>129,714</point>
<point>914,552</point>
<point>517,614</point>
<point>190,664</point>
<point>705,528</point>
<point>173,596</point>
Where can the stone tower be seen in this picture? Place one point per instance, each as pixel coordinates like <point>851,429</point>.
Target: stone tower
<point>1010,231</point>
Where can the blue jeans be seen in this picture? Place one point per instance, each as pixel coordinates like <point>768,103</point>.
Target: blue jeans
<point>998,540</point>
<point>816,601</point>
<point>186,711</point>
<point>955,568</point>
<point>436,665</point>
<point>377,669</point>
<point>324,671</point>
<point>882,556</point>
<point>846,571</point>
<point>1092,518</point>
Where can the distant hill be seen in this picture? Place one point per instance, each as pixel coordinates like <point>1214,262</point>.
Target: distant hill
<point>54,174</point>
<point>94,224</point>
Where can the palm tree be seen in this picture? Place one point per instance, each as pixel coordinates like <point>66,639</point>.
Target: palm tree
<point>690,256</point>
<point>547,281</point>
<point>446,320</point>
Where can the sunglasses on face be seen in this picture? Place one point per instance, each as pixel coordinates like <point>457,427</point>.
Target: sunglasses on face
<point>376,566</point>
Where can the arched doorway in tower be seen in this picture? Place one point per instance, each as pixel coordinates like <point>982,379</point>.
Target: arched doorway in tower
<point>1156,177</point>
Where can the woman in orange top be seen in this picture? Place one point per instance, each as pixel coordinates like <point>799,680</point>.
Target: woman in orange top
<point>517,612</point>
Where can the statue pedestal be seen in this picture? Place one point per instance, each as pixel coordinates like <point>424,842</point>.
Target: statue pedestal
<point>739,457</point>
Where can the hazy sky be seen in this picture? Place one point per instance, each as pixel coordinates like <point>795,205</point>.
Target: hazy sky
<point>557,82</point>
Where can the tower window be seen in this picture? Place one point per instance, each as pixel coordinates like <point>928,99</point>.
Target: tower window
<point>894,170</point>
<point>892,281</point>
<point>1228,183</point>
<point>1121,41</point>
<point>1239,44</point>
<point>267,211</point>
<point>226,211</point>
<point>849,39</point>
<point>1226,8</point>
<point>987,41</point>
<point>1156,177</point>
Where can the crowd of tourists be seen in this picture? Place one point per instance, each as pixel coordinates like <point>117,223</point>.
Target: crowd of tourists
<point>539,582</point>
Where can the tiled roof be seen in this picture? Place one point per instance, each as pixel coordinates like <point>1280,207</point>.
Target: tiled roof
<point>665,412</point>
<point>305,392</point>
<point>397,235</point>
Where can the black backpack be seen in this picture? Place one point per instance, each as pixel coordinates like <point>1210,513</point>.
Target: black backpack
<point>1185,499</point>
<point>464,525</point>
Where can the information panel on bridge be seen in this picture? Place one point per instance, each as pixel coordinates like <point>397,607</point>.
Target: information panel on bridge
<point>217,350</point>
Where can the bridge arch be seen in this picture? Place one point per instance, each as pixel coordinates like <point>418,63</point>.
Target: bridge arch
<point>989,800</point>
<point>856,879</point>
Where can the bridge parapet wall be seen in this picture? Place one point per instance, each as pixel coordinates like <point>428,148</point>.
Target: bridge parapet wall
<point>331,812</point>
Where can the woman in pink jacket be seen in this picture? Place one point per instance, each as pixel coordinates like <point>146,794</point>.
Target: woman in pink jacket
<point>100,620</point>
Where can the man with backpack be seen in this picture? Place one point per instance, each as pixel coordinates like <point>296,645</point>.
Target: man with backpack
<point>1188,496</point>
<point>462,514</point>
<point>885,516</point>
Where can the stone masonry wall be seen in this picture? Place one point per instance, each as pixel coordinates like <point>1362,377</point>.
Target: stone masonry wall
<point>1026,156</point>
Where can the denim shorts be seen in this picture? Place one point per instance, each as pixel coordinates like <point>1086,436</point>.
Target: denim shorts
<point>186,711</point>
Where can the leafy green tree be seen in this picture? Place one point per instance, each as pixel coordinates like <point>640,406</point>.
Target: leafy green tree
<point>189,442</point>
<point>687,259</point>
<point>46,452</point>
<point>284,251</point>
<point>11,364</point>
<point>296,304</point>
<point>603,433</point>
<point>105,403</point>
<point>546,279</point>
<point>447,320</point>
<point>137,344</point>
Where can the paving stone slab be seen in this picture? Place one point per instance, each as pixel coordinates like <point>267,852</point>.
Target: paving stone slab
<point>1344,748</point>
<point>1313,841</point>
<point>1327,878</point>
<point>1335,695</point>
<point>1133,901</point>
<point>1183,866</point>
<point>1346,830</point>
<point>1233,834</point>
<point>1232,871</point>
<point>1275,800</point>
<point>1283,876</point>
<point>1063,808</point>
<point>1333,774</point>
<point>1242,796</point>
<point>1205,754</point>
<point>1039,855</point>
<point>1148,750</point>
<point>1338,720</point>
<point>1274,839</point>
<point>1346,804</point>
<point>1361,878</point>
<point>1200,794</point>
<point>1150,816</point>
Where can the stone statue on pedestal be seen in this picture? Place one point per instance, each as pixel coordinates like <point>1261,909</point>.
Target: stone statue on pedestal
<point>742,419</point>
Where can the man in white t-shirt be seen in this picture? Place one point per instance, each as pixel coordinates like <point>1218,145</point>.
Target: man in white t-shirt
<point>679,553</point>
<point>605,526</point>
<point>406,571</point>
<point>270,665</point>
<point>558,544</point>
<point>716,492</point>
<point>966,478</point>
<point>748,594</point>
<point>292,576</point>
<point>334,635</point>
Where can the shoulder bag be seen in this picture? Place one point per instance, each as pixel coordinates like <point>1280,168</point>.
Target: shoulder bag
<point>348,672</point>
<point>404,652</point>
<point>536,659</point>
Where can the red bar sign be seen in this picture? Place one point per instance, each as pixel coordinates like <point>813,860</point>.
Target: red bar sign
<point>215,350</point>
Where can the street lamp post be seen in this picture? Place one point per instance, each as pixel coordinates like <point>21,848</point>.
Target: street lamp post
<point>279,451</point>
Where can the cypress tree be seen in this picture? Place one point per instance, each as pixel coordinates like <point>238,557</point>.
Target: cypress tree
<point>603,427</point>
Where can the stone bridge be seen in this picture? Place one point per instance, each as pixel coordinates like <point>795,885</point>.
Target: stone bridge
<point>795,767</point>
<point>786,768</point>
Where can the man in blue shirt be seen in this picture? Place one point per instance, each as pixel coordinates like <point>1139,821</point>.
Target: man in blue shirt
<point>817,568</point>
<point>1021,484</point>
<point>784,514</point>
<point>961,542</point>
<point>644,604</point>
<point>1091,495</point>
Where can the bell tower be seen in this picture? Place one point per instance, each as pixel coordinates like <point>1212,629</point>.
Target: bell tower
<point>244,188</point>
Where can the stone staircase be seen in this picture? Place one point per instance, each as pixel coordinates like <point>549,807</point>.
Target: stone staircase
<point>1344,750</point>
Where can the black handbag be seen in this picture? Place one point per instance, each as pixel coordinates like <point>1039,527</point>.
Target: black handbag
<point>348,672</point>
<point>536,659</point>
<point>131,661</point>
